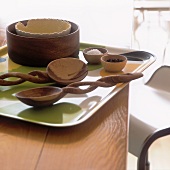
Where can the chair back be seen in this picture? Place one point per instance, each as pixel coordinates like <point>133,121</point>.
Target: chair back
<point>160,80</point>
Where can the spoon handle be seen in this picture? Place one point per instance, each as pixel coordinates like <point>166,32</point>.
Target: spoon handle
<point>108,81</point>
<point>123,78</point>
<point>33,76</point>
<point>74,89</point>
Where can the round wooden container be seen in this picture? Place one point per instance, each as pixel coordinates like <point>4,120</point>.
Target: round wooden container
<point>38,52</point>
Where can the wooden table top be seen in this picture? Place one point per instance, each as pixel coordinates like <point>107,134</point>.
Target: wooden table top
<point>98,143</point>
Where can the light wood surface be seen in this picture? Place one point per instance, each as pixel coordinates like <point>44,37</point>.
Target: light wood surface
<point>100,143</point>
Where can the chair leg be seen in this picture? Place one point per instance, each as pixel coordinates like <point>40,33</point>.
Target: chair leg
<point>143,162</point>
<point>147,163</point>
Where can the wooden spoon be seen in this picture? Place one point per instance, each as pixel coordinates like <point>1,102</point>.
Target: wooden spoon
<point>62,71</point>
<point>67,70</point>
<point>46,96</point>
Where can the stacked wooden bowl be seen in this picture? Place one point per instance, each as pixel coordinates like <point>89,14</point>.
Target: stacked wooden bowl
<point>39,51</point>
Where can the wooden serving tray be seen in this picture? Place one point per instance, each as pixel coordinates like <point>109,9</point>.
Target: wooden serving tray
<point>72,109</point>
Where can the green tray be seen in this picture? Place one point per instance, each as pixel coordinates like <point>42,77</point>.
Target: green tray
<point>70,110</point>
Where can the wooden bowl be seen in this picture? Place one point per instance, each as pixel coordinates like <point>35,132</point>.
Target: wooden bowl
<point>113,63</point>
<point>93,54</point>
<point>67,70</point>
<point>38,52</point>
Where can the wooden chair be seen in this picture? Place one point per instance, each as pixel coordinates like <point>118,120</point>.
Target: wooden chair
<point>150,114</point>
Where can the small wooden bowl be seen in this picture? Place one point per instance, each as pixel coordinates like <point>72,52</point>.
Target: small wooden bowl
<point>33,51</point>
<point>93,58</point>
<point>113,63</point>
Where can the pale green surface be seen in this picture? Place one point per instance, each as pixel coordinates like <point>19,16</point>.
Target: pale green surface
<point>86,45</point>
<point>58,113</point>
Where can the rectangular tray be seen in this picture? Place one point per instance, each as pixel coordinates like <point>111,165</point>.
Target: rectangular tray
<point>71,109</point>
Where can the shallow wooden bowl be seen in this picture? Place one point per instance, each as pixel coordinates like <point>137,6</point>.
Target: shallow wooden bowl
<point>32,51</point>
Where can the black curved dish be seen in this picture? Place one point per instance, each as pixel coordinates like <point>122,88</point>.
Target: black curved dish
<point>138,55</point>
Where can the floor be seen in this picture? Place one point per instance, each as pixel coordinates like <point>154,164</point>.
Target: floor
<point>151,34</point>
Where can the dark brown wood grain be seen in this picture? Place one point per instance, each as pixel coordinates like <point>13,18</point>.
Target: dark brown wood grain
<point>40,51</point>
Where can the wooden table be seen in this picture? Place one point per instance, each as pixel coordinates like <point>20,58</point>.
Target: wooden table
<point>98,143</point>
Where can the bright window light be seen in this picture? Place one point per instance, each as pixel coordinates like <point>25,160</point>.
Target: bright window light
<point>107,22</point>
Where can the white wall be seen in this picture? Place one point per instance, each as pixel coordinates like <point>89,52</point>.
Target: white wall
<point>106,22</point>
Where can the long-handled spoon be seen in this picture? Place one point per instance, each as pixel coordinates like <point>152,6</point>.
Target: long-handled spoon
<point>62,71</point>
<point>45,96</point>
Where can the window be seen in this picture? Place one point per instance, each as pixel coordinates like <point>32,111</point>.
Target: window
<point>107,22</point>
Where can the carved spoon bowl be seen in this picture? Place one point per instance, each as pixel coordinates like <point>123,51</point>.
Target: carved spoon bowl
<point>62,71</point>
<point>67,70</point>
<point>39,97</point>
